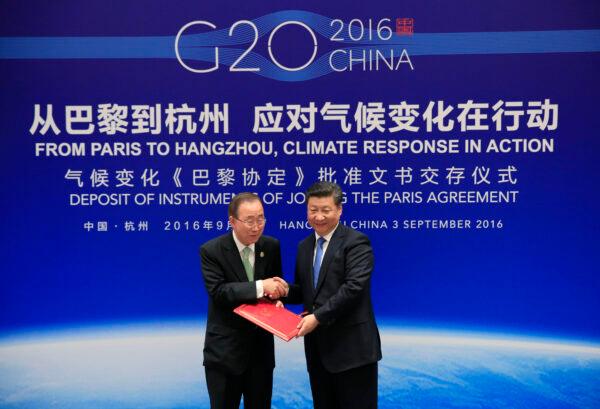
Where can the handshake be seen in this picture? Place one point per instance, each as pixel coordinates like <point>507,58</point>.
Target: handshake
<point>275,288</point>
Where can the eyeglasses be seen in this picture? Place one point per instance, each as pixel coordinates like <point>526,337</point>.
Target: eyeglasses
<point>253,222</point>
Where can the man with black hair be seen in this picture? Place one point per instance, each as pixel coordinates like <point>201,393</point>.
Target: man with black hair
<point>333,281</point>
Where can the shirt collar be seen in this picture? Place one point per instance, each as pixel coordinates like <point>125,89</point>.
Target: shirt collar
<point>240,246</point>
<point>328,236</point>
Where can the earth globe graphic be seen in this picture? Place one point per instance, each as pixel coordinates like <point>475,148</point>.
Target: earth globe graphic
<point>159,365</point>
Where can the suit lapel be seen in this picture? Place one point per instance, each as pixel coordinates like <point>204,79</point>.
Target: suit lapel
<point>232,255</point>
<point>332,248</point>
<point>259,260</point>
<point>306,256</point>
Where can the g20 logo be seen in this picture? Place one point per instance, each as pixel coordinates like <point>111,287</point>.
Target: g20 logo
<point>235,66</point>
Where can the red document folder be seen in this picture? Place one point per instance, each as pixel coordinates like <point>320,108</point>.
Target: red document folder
<point>277,320</point>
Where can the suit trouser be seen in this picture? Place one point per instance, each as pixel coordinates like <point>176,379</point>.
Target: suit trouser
<point>226,390</point>
<point>354,388</point>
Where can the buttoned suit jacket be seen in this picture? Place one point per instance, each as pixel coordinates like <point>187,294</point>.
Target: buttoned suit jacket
<point>231,343</point>
<point>347,335</point>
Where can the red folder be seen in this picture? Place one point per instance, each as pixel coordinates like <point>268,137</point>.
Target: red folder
<point>277,320</point>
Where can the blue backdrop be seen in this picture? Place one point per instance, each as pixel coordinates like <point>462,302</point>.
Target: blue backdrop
<point>523,267</point>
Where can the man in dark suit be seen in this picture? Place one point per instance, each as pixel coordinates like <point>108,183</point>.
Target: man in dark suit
<point>238,268</point>
<point>333,281</point>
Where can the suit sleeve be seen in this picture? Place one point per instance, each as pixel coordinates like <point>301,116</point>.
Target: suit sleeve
<point>358,266</point>
<point>295,294</point>
<point>277,268</point>
<point>224,293</point>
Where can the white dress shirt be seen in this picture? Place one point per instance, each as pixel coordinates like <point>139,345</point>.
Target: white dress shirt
<point>327,238</point>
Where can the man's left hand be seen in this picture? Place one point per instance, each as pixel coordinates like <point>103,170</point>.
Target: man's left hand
<point>307,325</point>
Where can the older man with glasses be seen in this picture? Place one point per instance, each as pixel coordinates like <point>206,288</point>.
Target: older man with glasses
<point>240,267</point>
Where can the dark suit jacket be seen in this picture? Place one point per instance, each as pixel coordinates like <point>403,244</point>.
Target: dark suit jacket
<point>347,336</point>
<point>230,340</point>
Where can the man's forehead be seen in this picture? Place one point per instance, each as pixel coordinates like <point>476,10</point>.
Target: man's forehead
<point>253,206</point>
<point>326,201</point>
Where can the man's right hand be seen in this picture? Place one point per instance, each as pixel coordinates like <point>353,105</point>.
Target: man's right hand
<point>275,288</point>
